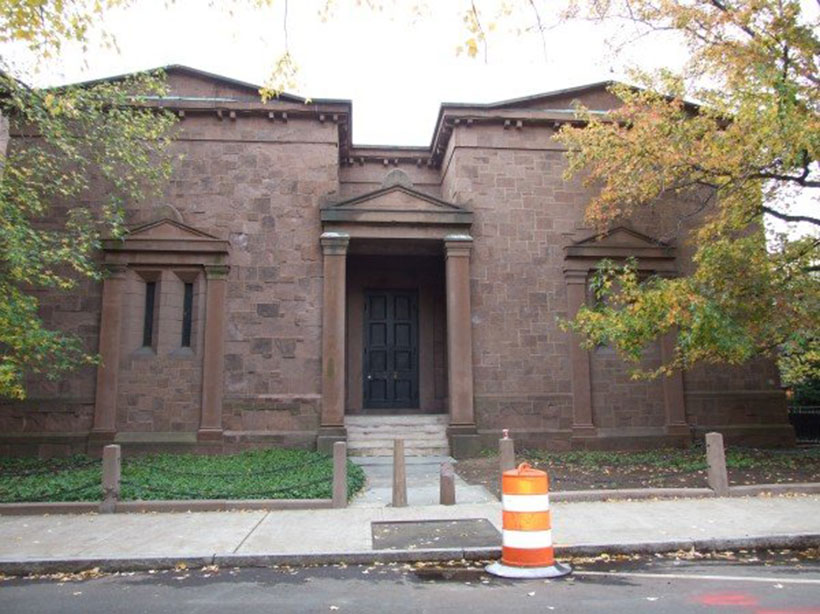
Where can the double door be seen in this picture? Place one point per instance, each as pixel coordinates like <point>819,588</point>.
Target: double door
<point>391,365</point>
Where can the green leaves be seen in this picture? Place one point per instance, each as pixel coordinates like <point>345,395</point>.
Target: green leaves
<point>78,155</point>
<point>274,473</point>
<point>715,173</point>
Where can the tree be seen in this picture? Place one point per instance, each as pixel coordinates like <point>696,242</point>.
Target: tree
<point>744,155</point>
<point>70,139</point>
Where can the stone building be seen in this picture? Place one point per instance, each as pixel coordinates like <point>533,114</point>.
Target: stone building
<point>294,288</point>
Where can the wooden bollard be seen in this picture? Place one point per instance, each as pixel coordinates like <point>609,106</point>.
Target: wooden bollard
<point>111,471</point>
<point>340,474</point>
<point>447,485</point>
<point>506,452</point>
<point>399,475</point>
<point>716,459</point>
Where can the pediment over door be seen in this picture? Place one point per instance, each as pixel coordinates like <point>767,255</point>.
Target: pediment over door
<point>396,204</point>
<point>618,244</point>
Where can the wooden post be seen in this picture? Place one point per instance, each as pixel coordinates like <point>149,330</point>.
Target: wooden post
<point>110,479</point>
<point>716,458</point>
<point>399,475</point>
<point>340,474</point>
<point>506,452</point>
<point>447,485</point>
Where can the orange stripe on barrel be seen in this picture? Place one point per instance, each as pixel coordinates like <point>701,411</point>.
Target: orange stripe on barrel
<point>521,557</point>
<point>526,521</point>
<point>514,484</point>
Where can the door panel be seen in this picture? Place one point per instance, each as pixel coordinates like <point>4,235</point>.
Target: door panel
<point>391,349</point>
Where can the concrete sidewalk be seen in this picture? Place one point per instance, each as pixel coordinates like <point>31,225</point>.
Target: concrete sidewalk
<point>139,541</point>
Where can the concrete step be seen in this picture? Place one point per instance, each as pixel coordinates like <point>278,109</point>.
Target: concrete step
<point>405,419</point>
<point>394,434</point>
<point>423,435</point>
<point>408,452</point>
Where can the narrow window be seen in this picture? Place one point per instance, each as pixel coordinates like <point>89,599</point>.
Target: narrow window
<point>187,314</point>
<point>148,323</point>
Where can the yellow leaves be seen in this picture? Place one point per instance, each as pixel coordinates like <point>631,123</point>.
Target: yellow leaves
<point>470,47</point>
<point>283,77</point>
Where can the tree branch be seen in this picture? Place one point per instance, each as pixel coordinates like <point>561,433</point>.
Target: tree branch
<point>790,218</point>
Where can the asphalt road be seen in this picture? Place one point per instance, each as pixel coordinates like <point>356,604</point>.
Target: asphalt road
<point>752,583</point>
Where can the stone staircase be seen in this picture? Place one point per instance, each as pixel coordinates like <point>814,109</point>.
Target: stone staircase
<point>423,435</point>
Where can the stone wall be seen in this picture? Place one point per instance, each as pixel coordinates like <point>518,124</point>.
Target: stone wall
<point>259,184</point>
<point>525,214</point>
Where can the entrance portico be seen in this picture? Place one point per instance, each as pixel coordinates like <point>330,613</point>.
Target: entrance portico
<point>401,223</point>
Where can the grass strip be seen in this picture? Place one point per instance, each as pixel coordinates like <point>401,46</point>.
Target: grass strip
<point>275,473</point>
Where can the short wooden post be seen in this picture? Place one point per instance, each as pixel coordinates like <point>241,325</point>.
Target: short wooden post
<point>506,451</point>
<point>340,474</point>
<point>111,471</point>
<point>447,485</point>
<point>716,458</point>
<point>399,475</point>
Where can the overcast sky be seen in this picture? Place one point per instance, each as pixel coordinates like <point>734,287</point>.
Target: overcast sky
<point>396,71</point>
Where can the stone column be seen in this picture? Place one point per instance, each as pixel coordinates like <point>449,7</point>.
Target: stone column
<point>673,398</point>
<point>105,399</point>
<point>464,440</point>
<point>213,353</point>
<point>332,429</point>
<point>582,423</point>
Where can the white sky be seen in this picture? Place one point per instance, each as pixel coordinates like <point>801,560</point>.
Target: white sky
<point>395,72</point>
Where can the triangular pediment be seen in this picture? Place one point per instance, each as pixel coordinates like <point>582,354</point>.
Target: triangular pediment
<point>397,198</point>
<point>165,236</point>
<point>621,237</point>
<point>168,230</point>
<point>620,243</point>
<point>397,204</point>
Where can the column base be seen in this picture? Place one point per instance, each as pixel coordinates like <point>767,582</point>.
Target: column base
<point>680,429</point>
<point>99,439</point>
<point>582,431</point>
<point>328,435</point>
<point>209,435</point>
<point>465,442</point>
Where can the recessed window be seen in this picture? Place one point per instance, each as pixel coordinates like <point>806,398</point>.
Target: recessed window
<point>187,314</point>
<point>148,322</point>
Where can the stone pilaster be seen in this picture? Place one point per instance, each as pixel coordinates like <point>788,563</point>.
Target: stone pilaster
<point>334,249</point>
<point>582,422</point>
<point>673,397</point>
<point>213,353</point>
<point>464,440</point>
<point>105,400</point>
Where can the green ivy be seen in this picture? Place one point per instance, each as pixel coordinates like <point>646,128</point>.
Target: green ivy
<point>275,473</point>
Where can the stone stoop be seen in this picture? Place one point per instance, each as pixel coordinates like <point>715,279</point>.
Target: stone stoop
<point>423,435</point>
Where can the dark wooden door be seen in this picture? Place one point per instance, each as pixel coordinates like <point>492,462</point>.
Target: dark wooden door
<point>391,365</point>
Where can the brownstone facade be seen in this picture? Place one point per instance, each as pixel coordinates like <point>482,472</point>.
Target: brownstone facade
<point>248,306</point>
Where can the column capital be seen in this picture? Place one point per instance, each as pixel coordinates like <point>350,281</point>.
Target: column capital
<point>576,276</point>
<point>219,271</point>
<point>458,245</point>
<point>334,243</point>
<point>114,271</point>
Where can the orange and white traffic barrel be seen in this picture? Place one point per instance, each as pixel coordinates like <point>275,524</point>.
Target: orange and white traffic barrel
<point>526,550</point>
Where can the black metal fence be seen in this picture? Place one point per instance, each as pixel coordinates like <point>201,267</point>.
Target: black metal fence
<point>806,422</point>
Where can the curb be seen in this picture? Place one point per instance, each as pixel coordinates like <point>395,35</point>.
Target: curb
<point>234,505</point>
<point>168,505</point>
<point>365,557</point>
